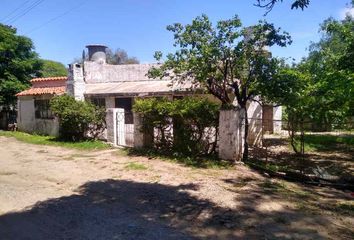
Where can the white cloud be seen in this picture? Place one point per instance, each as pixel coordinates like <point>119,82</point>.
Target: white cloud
<point>347,11</point>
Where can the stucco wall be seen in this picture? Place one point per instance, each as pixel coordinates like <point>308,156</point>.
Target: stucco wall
<point>27,122</point>
<point>254,112</point>
<point>277,117</point>
<point>76,85</point>
<point>230,134</point>
<point>102,73</point>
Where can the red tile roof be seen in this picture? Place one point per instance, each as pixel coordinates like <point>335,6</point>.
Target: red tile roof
<point>43,90</point>
<point>49,79</point>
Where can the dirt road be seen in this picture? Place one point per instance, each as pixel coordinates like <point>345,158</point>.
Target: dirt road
<point>56,193</point>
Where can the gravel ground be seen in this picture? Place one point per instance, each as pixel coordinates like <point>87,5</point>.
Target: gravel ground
<point>56,193</point>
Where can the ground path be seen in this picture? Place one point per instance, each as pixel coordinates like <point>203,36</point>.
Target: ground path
<point>56,193</point>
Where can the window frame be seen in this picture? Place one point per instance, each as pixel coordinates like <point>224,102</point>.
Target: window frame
<point>42,109</point>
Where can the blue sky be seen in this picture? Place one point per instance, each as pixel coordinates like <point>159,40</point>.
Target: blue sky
<point>60,29</point>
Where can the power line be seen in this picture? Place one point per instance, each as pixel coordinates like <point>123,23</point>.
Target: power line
<point>24,12</point>
<point>15,10</point>
<point>57,17</point>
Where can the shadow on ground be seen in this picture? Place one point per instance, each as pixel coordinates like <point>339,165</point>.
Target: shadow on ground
<point>114,209</point>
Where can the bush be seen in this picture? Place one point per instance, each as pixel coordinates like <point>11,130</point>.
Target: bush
<point>186,126</point>
<point>78,119</point>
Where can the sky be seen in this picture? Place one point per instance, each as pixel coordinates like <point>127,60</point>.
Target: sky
<point>60,29</point>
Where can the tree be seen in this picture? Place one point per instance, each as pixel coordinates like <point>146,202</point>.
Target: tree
<point>331,70</point>
<point>269,4</point>
<point>229,61</point>
<point>78,119</point>
<point>120,57</point>
<point>18,64</point>
<point>322,84</point>
<point>52,69</point>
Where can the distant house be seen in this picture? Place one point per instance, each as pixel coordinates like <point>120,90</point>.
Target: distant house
<point>34,114</point>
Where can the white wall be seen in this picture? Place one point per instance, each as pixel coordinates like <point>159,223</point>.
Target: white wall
<point>27,122</point>
<point>254,112</point>
<point>277,117</point>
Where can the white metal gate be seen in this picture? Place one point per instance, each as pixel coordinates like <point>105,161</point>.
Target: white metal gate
<point>124,128</point>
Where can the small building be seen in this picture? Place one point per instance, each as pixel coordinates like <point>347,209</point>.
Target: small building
<point>34,114</point>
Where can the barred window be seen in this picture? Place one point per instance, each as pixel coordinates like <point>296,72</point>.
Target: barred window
<point>42,109</point>
<point>99,102</point>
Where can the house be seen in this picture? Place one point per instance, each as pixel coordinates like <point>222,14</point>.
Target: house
<point>116,86</point>
<point>34,114</point>
<point>113,87</point>
<point>105,85</point>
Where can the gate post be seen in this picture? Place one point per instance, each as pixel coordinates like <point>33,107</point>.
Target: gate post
<point>111,125</point>
<point>141,138</point>
<point>231,134</point>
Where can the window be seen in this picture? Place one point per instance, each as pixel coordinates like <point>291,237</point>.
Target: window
<point>42,109</point>
<point>99,102</point>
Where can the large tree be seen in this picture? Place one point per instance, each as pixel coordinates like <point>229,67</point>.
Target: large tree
<point>228,60</point>
<point>331,72</point>
<point>52,69</point>
<point>18,64</point>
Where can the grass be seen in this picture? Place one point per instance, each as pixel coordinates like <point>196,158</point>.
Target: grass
<point>195,162</point>
<point>52,141</point>
<point>327,142</point>
<point>135,166</point>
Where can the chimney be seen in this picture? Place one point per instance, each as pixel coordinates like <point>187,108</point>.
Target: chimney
<point>97,53</point>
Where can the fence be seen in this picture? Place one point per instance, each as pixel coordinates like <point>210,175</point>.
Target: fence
<point>325,151</point>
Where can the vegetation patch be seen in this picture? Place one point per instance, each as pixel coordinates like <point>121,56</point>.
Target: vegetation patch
<point>197,162</point>
<point>135,166</point>
<point>53,141</point>
<point>317,142</point>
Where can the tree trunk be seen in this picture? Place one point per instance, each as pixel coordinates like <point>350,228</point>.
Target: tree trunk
<point>245,144</point>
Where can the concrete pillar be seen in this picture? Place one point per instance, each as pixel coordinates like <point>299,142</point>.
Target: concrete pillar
<point>76,84</point>
<point>110,125</point>
<point>231,134</point>
<point>141,138</point>
<point>110,102</point>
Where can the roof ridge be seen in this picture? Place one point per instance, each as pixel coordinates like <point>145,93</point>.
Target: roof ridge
<point>58,78</point>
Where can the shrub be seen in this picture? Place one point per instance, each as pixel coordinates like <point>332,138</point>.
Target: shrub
<point>78,119</point>
<point>186,126</point>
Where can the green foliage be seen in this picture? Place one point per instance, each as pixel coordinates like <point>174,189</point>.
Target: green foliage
<point>194,122</point>
<point>52,141</point>
<point>52,69</point>
<point>269,4</point>
<point>324,142</point>
<point>78,119</point>
<point>135,166</point>
<point>330,69</point>
<point>228,60</point>
<point>18,64</point>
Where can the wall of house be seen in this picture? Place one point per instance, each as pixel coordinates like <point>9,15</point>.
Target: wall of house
<point>27,122</point>
<point>254,112</point>
<point>277,117</point>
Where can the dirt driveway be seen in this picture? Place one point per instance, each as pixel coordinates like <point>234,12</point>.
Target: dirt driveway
<point>56,193</point>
